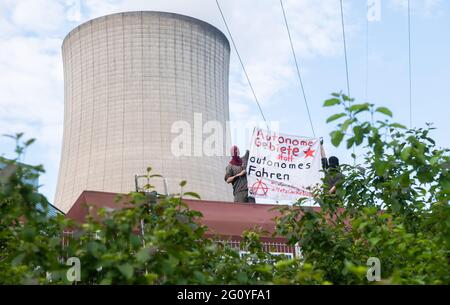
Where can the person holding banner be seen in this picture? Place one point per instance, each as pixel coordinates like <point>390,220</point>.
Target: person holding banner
<point>333,176</point>
<point>236,174</point>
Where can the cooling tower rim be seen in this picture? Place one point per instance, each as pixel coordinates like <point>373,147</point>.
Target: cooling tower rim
<point>180,16</point>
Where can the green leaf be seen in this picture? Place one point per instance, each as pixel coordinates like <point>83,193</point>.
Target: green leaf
<point>346,124</point>
<point>29,142</point>
<point>192,194</point>
<point>199,276</point>
<point>380,168</point>
<point>242,277</point>
<point>151,278</point>
<point>143,255</point>
<point>93,248</point>
<point>335,117</point>
<point>347,98</point>
<point>126,270</point>
<point>359,134</point>
<point>336,137</point>
<point>397,125</point>
<point>331,102</point>
<point>434,160</point>
<point>350,142</point>
<point>384,110</point>
<point>148,186</point>
<point>10,136</point>
<point>28,233</point>
<point>183,183</point>
<point>359,107</point>
<point>374,241</point>
<point>18,260</point>
<point>405,153</point>
<point>106,281</point>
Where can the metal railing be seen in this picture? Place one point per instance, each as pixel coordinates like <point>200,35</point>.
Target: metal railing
<point>272,247</point>
<point>276,248</point>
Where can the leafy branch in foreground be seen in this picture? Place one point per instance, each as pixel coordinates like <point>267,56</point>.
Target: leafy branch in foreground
<point>145,241</point>
<point>393,206</point>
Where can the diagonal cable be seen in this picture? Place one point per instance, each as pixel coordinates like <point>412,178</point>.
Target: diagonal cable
<point>409,64</point>
<point>242,64</point>
<point>345,48</point>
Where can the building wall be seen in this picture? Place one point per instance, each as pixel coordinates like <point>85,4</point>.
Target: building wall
<point>127,78</point>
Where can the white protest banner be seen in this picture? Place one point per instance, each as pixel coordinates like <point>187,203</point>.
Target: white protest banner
<point>283,167</point>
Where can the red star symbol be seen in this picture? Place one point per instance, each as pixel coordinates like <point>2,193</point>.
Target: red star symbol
<point>309,152</point>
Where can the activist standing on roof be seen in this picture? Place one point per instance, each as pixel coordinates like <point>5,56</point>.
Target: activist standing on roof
<point>236,174</point>
<point>333,176</point>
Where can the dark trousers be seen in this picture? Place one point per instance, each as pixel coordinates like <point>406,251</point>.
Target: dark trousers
<point>243,197</point>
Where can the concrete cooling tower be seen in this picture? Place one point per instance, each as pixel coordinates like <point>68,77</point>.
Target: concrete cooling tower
<point>127,78</point>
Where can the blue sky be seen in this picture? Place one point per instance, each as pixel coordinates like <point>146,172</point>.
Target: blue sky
<point>31,77</point>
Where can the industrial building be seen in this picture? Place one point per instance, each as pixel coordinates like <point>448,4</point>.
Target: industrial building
<point>30,177</point>
<point>225,221</point>
<point>127,78</point>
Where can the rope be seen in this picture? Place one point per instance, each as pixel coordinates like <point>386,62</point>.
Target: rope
<point>366,86</point>
<point>346,70</point>
<point>345,48</point>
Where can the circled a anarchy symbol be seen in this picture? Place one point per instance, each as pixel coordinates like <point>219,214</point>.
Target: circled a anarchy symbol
<point>259,188</point>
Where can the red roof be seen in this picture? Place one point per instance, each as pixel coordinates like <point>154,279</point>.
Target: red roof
<point>222,218</point>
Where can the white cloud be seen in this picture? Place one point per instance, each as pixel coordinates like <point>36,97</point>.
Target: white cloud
<point>31,75</point>
<point>31,82</point>
<point>31,99</point>
<point>419,7</point>
<point>259,32</point>
<point>73,12</point>
<point>264,43</point>
<point>39,16</point>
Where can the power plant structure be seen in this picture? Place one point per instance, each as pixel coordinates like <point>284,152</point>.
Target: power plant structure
<point>128,78</point>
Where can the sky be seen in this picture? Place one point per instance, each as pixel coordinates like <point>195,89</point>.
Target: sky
<point>31,72</point>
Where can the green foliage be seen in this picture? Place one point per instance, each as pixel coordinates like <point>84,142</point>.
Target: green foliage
<point>384,110</point>
<point>150,241</point>
<point>393,206</point>
<point>28,239</point>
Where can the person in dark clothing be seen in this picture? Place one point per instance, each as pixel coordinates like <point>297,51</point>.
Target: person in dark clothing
<point>333,176</point>
<point>236,174</point>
